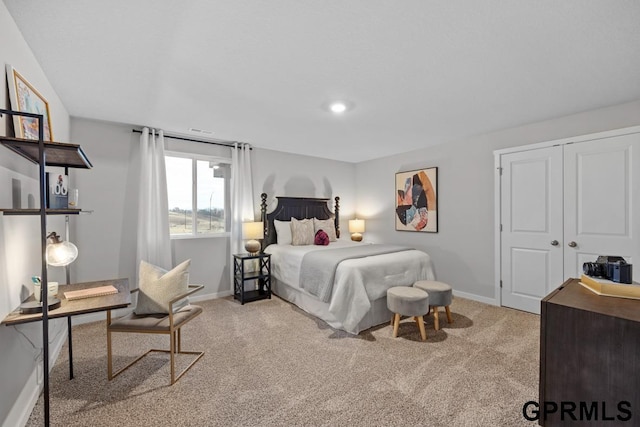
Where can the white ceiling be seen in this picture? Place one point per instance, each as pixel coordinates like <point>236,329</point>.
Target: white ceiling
<point>419,72</point>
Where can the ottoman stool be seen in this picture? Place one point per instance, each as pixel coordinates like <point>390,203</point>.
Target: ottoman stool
<point>408,301</point>
<point>440,295</point>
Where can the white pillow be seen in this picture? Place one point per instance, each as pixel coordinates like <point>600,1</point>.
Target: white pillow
<point>327,225</point>
<point>158,287</point>
<point>283,231</point>
<point>302,232</point>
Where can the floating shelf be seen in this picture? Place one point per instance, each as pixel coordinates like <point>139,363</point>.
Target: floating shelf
<point>57,153</point>
<point>37,211</point>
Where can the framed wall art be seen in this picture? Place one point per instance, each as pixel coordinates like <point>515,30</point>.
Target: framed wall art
<point>417,200</point>
<point>25,98</point>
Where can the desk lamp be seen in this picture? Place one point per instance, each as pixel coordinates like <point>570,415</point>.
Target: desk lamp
<point>58,254</point>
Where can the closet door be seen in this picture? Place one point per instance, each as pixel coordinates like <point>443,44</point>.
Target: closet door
<point>531,217</point>
<point>602,211</point>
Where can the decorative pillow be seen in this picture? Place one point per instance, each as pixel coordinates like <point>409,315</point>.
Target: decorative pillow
<point>302,232</point>
<point>283,231</point>
<point>158,287</point>
<point>328,225</point>
<point>321,238</point>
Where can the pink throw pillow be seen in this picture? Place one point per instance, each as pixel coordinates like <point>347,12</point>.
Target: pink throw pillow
<point>322,238</point>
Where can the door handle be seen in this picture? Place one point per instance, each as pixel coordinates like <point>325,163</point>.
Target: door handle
<point>554,243</point>
<point>573,244</point>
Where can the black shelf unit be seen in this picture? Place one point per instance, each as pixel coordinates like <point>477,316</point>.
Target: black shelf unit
<point>60,154</point>
<point>37,211</point>
<point>242,273</point>
<point>44,153</point>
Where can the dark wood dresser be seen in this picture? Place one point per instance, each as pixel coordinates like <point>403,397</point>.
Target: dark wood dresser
<point>589,352</point>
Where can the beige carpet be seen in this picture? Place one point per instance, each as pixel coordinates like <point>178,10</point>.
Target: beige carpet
<point>269,364</point>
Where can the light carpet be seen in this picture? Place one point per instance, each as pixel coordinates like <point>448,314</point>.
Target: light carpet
<point>267,363</point>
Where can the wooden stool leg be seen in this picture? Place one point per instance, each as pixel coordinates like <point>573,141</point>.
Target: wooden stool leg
<point>449,318</point>
<point>423,332</point>
<point>436,319</point>
<point>393,317</point>
<point>396,324</point>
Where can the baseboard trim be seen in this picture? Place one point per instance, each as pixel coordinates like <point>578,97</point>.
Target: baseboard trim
<point>207,297</point>
<point>28,397</point>
<point>475,297</point>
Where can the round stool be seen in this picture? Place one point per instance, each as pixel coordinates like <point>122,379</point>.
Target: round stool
<point>408,301</point>
<point>440,295</point>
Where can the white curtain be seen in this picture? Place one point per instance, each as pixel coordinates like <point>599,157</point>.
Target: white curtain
<point>154,245</point>
<point>241,194</point>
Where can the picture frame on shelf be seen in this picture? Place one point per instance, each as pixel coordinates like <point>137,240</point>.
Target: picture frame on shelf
<point>417,200</point>
<point>25,98</point>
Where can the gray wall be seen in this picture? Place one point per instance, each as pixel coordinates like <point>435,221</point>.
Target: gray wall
<point>463,249</point>
<point>107,238</point>
<point>20,346</point>
<point>282,174</point>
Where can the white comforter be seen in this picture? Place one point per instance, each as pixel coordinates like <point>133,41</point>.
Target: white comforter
<point>357,281</point>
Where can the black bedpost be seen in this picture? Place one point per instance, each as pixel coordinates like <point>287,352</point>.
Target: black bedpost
<point>336,210</point>
<point>263,218</point>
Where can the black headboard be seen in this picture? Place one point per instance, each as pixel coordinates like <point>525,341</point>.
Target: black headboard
<point>298,208</point>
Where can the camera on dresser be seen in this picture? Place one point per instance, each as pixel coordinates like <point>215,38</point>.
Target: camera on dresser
<point>613,268</point>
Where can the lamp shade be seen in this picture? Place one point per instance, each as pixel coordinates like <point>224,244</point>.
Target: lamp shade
<point>356,226</point>
<point>60,253</point>
<point>252,230</point>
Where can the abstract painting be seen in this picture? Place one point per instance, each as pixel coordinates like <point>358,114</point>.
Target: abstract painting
<point>417,200</point>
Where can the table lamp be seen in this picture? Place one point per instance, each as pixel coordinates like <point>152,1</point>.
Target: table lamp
<point>356,228</point>
<point>253,231</point>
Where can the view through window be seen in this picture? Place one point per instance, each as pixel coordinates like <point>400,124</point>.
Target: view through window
<point>197,190</point>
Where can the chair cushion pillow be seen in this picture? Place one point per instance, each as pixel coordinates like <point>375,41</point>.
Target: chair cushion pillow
<point>158,287</point>
<point>154,322</point>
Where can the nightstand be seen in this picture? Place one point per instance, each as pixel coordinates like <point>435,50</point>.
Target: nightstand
<point>251,267</point>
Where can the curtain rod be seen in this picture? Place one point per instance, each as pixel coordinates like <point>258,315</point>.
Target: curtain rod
<point>201,141</point>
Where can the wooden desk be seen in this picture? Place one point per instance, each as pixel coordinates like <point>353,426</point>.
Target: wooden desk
<point>589,346</point>
<point>81,306</point>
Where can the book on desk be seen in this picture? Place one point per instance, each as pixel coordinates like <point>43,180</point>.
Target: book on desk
<point>90,292</point>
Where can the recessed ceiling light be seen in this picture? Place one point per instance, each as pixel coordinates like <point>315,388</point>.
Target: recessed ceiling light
<point>338,107</point>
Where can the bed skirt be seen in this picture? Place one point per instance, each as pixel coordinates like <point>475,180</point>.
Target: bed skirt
<point>377,314</point>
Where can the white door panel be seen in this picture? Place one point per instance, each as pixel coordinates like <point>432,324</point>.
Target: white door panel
<point>599,203</point>
<point>531,216</point>
<point>529,268</point>
<point>581,196</point>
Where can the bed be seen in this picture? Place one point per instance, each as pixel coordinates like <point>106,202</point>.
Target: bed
<point>356,299</point>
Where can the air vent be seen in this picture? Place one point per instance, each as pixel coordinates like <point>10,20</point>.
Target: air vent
<point>200,131</point>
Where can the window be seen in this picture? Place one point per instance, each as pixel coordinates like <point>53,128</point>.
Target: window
<point>198,194</point>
